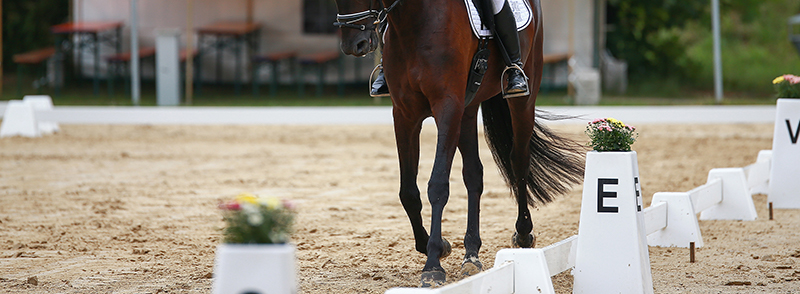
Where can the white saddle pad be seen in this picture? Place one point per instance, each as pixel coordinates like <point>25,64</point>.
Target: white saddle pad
<point>522,13</point>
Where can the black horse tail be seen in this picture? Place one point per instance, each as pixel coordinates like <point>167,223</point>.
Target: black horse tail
<point>556,162</point>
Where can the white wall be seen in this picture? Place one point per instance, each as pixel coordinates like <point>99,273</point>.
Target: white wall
<point>282,26</point>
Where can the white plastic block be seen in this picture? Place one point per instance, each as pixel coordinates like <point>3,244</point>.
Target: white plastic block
<point>737,203</point>
<point>255,268</point>
<point>612,254</point>
<point>681,222</point>
<point>531,273</point>
<point>19,120</point>
<point>758,173</point>
<point>784,186</point>
<point>43,103</point>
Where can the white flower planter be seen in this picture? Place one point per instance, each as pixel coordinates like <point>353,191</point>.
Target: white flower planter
<point>255,269</point>
<point>612,248</point>
<point>784,188</point>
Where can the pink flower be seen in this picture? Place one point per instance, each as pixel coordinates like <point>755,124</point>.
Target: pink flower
<point>230,205</point>
<point>597,120</point>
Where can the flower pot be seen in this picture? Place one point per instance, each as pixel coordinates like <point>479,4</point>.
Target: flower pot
<point>612,250</point>
<point>255,269</point>
<point>784,189</point>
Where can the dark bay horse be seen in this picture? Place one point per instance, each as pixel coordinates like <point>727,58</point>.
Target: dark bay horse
<point>427,53</point>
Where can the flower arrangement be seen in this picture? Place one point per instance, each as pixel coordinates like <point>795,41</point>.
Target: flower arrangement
<point>251,219</point>
<point>787,86</point>
<point>609,134</point>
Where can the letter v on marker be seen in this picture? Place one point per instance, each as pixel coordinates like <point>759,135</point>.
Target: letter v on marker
<point>793,135</point>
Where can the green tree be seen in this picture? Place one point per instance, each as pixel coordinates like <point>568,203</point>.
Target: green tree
<point>26,25</point>
<point>645,33</point>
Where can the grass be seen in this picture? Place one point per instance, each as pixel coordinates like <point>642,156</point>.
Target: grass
<point>644,93</point>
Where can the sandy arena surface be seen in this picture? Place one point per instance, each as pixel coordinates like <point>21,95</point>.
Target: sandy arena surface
<point>133,209</point>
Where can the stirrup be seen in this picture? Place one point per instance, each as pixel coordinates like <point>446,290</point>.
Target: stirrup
<point>374,70</point>
<point>503,87</point>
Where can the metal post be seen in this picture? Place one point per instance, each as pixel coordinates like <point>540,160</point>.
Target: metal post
<point>189,90</point>
<point>717,54</point>
<point>135,82</point>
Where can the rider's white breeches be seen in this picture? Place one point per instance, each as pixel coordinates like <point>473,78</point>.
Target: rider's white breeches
<point>497,5</point>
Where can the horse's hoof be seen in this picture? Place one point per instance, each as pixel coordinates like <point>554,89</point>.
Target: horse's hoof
<point>446,248</point>
<point>434,278</point>
<point>521,242</point>
<point>471,266</point>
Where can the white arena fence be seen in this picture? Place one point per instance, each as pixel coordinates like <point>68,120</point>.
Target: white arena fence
<point>670,221</point>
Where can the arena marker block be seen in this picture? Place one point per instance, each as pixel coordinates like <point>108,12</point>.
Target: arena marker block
<point>19,120</point>
<point>758,173</point>
<point>531,272</point>
<point>612,254</point>
<point>42,103</point>
<point>737,203</point>
<point>784,187</point>
<point>682,226</point>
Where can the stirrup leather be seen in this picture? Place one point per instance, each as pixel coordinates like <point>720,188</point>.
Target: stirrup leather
<point>503,87</point>
<point>374,70</point>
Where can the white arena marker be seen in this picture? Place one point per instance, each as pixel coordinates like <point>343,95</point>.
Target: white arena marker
<point>736,204</point>
<point>19,120</point>
<point>42,103</point>
<point>612,254</point>
<point>784,187</point>
<point>681,221</point>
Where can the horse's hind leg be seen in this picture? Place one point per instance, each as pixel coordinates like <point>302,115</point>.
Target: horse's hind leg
<point>407,136</point>
<point>472,173</point>
<point>522,118</point>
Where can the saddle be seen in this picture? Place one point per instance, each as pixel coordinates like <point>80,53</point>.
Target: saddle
<point>523,14</point>
<point>479,11</point>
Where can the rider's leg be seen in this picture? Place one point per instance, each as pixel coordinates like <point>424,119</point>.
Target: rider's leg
<point>379,87</point>
<point>506,27</point>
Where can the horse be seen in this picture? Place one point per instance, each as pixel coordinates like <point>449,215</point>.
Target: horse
<point>426,59</point>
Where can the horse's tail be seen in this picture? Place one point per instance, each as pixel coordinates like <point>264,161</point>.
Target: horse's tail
<point>556,162</point>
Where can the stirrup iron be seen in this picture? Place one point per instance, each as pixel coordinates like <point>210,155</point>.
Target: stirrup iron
<point>369,85</point>
<point>503,87</point>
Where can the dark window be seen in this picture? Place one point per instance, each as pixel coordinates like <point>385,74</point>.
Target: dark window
<point>318,16</point>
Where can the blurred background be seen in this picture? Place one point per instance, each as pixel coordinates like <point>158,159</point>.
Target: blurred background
<point>270,52</point>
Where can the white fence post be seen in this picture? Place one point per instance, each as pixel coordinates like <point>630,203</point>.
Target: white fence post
<point>737,203</point>
<point>681,221</point>
<point>612,254</point>
<point>19,120</point>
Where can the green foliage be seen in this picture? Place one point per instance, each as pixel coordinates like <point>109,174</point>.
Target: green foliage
<point>671,41</point>
<point>26,25</point>
<point>645,33</point>
<point>608,134</point>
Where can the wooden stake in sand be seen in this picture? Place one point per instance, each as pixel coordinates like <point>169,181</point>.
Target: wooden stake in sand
<point>770,211</point>
<point>691,252</point>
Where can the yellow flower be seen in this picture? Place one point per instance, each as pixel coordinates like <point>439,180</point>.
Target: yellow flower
<point>247,198</point>
<point>271,202</point>
<point>616,122</point>
<point>777,80</point>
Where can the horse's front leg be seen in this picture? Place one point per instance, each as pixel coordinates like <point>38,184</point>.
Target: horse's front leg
<point>472,173</point>
<point>447,113</point>
<point>406,132</point>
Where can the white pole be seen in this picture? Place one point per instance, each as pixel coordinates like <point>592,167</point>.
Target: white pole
<point>717,54</point>
<point>135,82</point>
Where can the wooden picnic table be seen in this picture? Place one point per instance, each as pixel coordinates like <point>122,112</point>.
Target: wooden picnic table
<point>220,36</point>
<point>91,35</point>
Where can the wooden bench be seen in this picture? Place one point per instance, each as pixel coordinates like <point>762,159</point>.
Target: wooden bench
<point>273,59</point>
<point>319,60</point>
<point>117,64</point>
<point>32,58</point>
<point>548,72</point>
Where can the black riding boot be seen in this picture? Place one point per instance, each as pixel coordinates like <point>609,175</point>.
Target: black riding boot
<point>379,87</point>
<point>506,27</point>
